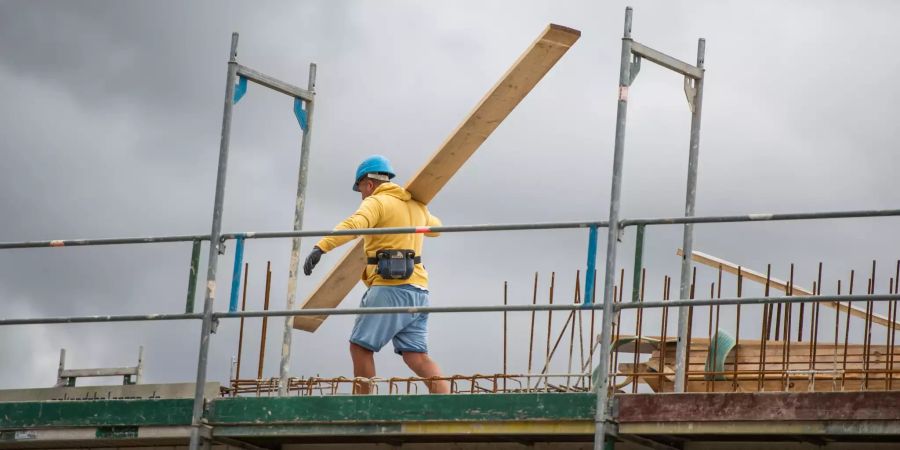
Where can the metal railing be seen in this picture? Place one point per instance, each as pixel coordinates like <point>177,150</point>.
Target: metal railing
<point>590,225</point>
<point>606,304</point>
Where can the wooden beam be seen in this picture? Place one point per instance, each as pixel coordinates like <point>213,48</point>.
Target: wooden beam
<point>332,290</point>
<point>748,274</point>
<point>496,105</point>
<point>515,84</point>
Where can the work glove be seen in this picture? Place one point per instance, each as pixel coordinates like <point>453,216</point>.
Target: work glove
<point>314,256</point>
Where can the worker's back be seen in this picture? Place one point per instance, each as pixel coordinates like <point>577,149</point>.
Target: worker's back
<point>397,209</point>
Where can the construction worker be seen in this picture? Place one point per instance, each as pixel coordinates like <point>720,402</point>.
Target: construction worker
<point>394,275</point>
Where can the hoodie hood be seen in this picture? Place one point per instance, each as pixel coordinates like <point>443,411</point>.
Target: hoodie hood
<point>393,190</point>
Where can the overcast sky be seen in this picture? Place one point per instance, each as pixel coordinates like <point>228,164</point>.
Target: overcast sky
<point>111,119</point>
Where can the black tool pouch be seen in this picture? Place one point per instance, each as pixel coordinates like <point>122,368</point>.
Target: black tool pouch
<point>392,264</point>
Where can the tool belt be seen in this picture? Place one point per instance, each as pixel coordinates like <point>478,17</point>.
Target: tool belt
<point>394,264</point>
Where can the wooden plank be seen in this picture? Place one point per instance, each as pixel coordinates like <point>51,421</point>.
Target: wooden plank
<point>334,287</point>
<point>515,84</point>
<point>826,354</point>
<point>775,369</point>
<point>730,267</point>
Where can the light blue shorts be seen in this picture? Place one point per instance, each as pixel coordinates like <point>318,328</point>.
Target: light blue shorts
<point>409,332</point>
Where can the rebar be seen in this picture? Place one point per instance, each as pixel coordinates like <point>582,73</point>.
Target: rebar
<point>870,307</point>
<point>767,324</point>
<point>617,299</point>
<point>788,318</point>
<point>837,323</point>
<point>550,319</point>
<point>460,384</point>
<point>778,322</point>
<point>709,330</point>
<point>667,283</point>
<point>638,327</point>
<point>771,308</point>
<point>505,302</point>
<point>572,332</point>
<point>617,327</point>
<point>237,373</point>
<point>847,327</point>
<point>531,334</point>
<point>556,343</point>
<point>817,290</point>
<point>594,339</point>
<point>685,359</point>
<point>892,333</point>
<point>888,358</point>
<point>580,322</point>
<point>265,321</point>
<point>893,328</point>
<point>737,331</point>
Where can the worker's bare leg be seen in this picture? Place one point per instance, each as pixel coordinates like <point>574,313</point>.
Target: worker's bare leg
<point>363,366</point>
<point>425,367</point>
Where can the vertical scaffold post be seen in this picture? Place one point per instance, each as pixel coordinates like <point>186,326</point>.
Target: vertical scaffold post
<point>214,245</point>
<point>638,262</point>
<point>615,194</point>
<point>591,266</point>
<point>192,277</point>
<point>295,242</point>
<point>236,274</point>
<point>695,100</point>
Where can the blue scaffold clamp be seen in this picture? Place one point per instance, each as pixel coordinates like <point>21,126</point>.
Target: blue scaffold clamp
<point>302,118</point>
<point>240,89</point>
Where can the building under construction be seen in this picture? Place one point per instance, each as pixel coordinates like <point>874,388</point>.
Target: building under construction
<point>650,361</point>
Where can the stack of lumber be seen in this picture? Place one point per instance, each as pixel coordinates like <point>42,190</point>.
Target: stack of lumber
<point>751,366</point>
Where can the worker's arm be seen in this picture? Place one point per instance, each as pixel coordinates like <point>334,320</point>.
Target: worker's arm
<point>367,216</point>
<point>433,221</point>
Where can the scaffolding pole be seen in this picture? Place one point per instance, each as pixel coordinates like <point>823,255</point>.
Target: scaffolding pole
<point>625,78</point>
<point>233,94</point>
<point>631,56</point>
<point>295,242</point>
<point>693,89</point>
<point>214,246</point>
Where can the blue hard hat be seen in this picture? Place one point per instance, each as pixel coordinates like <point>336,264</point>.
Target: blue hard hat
<point>373,164</point>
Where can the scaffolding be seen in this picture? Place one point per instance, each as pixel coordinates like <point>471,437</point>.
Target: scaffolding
<point>631,57</point>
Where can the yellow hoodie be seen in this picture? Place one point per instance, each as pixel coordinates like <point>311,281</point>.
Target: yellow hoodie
<point>389,206</point>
